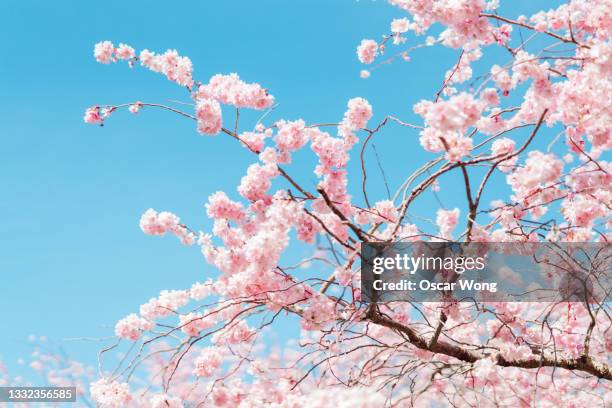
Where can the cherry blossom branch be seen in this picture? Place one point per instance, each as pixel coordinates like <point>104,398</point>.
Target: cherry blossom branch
<point>585,364</point>
<point>530,27</point>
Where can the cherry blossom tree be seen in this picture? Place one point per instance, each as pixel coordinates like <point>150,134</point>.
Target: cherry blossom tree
<point>205,345</point>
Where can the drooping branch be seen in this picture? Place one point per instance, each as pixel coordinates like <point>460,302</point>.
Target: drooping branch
<point>585,363</point>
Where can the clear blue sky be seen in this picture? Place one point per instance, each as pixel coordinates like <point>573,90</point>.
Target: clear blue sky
<point>73,260</point>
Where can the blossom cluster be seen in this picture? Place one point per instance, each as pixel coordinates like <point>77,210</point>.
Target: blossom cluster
<point>154,223</point>
<point>472,127</point>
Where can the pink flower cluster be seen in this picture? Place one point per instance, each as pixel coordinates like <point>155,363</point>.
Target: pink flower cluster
<point>131,327</point>
<point>490,97</point>
<point>231,90</point>
<point>453,143</point>
<point>306,227</point>
<point>400,25</point>
<point>331,151</point>
<point>110,394</point>
<point>446,121</point>
<point>169,301</point>
<point>96,115</point>
<point>104,52</point>
<point>386,211</point>
<point>461,17</point>
<point>250,238</point>
<point>135,107</point>
<point>125,52</point>
<point>153,223</point>
<point>199,291</point>
<point>356,117</point>
<point>367,51</point>
<point>92,115</point>
<point>503,147</point>
<point>321,309</point>
<point>165,401</point>
<point>176,68</point>
<point>208,114</point>
<point>455,114</point>
<point>234,334</point>
<point>502,79</point>
<point>447,220</point>
<point>257,181</point>
<point>208,362</point>
<point>539,170</point>
<point>291,136</point>
<point>193,323</point>
<point>255,141</point>
<point>583,209</point>
<point>220,206</point>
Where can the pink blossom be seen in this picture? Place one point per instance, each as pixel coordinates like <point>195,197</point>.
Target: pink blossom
<point>502,79</point>
<point>400,25</point>
<point>110,394</point>
<point>193,323</point>
<point>124,52</point>
<point>539,169</point>
<point>230,90</point>
<point>502,147</point>
<point>236,333</point>
<point>257,276</point>
<point>208,362</point>
<point>453,143</point>
<point>321,310</point>
<point>257,181</point>
<point>92,115</point>
<point>458,113</point>
<point>343,276</point>
<point>387,211</point>
<point>165,304</point>
<point>271,156</point>
<point>307,228</point>
<point>484,370</point>
<point>208,113</point>
<point>462,19</point>
<point>331,151</point>
<point>446,220</point>
<point>255,141</point>
<point>103,52</point>
<point>153,223</point>
<point>131,326</point>
<point>172,299</point>
<point>176,67</point>
<point>165,401</point>
<point>220,206</point>
<point>357,116</point>
<point>491,97</point>
<point>367,51</point>
<point>291,135</point>
<point>200,290</point>
<point>135,107</point>
<point>583,209</point>
<point>37,366</point>
<point>147,59</point>
<point>503,33</point>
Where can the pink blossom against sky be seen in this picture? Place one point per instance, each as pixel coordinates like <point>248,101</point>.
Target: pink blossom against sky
<point>278,172</point>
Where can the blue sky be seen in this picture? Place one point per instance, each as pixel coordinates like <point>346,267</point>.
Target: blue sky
<point>73,260</point>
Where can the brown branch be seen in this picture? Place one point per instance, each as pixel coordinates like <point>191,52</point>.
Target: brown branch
<point>530,27</point>
<point>585,363</point>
